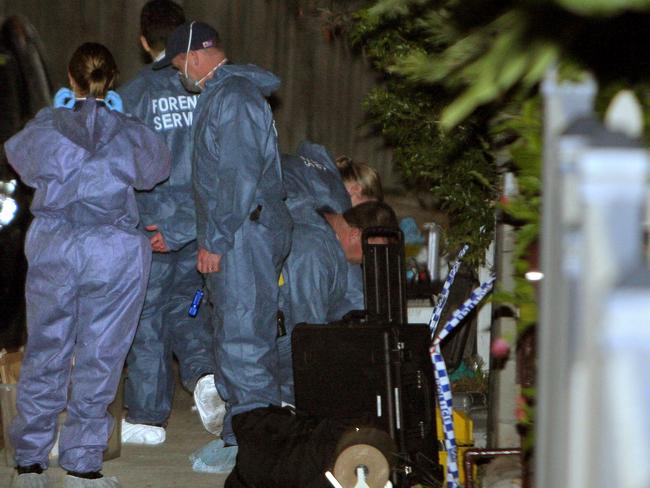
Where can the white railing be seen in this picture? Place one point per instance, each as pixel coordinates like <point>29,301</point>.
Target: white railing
<point>595,296</point>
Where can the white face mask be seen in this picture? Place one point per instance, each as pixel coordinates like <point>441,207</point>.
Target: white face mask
<point>191,85</point>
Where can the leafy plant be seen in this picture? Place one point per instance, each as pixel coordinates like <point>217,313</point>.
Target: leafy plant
<point>524,124</point>
<point>454,168</point>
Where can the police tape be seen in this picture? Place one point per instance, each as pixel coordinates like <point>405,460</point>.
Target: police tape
<point>440,371</point>
<point>442,378</point>
<point>444,293</point>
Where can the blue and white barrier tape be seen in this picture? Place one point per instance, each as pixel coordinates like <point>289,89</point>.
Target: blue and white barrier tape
<point>446,413</point>
<point>444,293</point>
<point>466,307</point>
<point>442,379</point>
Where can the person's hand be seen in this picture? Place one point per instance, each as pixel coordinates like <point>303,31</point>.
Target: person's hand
<point>207,262</point>
<point>157,241</point>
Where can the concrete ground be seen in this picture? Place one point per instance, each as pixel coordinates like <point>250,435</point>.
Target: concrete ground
<point>165,466</point>
<point>503,472</point>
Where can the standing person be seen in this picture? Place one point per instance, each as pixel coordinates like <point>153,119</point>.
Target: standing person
<point>88,268</point>
<point>168,214</point>
<point>243,225</point>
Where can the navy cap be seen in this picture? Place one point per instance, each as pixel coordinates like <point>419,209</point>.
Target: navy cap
<point>202,37</point>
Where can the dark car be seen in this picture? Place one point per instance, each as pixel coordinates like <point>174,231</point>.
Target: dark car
<point>24,89</point>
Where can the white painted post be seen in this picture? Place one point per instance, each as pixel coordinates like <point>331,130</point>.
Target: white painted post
<point>564,103</point>
<point>595,189</point>
<point>613,180</point>
<point>625,449</point>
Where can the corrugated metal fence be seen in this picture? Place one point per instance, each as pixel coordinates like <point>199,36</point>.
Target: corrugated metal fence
<point>324,82</point>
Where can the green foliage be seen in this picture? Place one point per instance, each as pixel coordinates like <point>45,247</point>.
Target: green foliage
<point>584,7</point>
<point>526,417</point>
<point>393,8</point>
<point>489,62</point>
<point>526,155</point>
<point>486,50</point>
<point>603,7</point>
<point>455,167</point>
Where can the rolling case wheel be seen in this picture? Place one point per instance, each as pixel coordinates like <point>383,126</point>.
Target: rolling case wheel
<point>367,448</point>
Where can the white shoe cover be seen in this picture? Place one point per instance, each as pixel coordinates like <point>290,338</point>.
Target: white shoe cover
<point>105,482</point>
<point>31,480</point>
<point>209,404</point>
<point>149,435</point>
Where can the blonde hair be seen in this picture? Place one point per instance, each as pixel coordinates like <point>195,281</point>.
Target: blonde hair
<point>363,174</point>
<point>93,69</point>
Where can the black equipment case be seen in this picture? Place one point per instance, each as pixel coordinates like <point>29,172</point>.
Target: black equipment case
<point>374,369</point>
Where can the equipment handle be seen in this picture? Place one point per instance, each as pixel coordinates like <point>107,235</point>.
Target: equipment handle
<point>393,232</point>
<point>384,275</point>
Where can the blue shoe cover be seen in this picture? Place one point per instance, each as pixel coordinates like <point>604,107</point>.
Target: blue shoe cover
<point>214,457</point>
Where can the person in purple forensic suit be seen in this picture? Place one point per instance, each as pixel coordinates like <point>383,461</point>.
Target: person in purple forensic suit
<point>88,268</point>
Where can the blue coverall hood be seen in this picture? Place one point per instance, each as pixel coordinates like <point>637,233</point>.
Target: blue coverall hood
<point>84,127</point>
<point>266,81</point>
<point>312,182</point>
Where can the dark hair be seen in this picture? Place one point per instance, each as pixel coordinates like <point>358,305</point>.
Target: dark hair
<point>371,214</point>
<point>158,19</point>
<point>363,174</point>
<point>93,69</point>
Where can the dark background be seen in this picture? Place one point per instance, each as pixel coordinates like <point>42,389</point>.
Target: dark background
<point>324,81</point>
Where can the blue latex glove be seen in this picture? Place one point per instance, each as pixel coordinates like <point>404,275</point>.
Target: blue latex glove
<point>114,101</point>
<point>64,98</point>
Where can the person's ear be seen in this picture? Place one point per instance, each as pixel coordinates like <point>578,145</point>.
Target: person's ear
<point>145,45</point>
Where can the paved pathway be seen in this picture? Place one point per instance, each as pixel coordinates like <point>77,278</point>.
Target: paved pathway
<point>165,466</point>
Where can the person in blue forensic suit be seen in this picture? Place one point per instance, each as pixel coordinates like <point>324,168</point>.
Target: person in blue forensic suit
<point>168,215</point>
<point>322,278</point>
<point>243,225</point>
<point>88,268</point>
<point>318,285</point>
